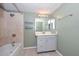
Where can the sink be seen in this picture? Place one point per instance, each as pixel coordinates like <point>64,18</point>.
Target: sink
<point>45,33</point>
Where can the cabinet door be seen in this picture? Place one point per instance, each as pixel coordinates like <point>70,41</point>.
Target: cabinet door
<point>51,43</point>
<point>41,44</point>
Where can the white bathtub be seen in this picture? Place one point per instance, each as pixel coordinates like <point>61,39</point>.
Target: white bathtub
<point>9,50</point>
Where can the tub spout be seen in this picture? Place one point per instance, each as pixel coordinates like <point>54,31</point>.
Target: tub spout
<point>13,43</point>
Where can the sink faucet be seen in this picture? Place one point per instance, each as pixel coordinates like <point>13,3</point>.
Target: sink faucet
<point>43,32</point>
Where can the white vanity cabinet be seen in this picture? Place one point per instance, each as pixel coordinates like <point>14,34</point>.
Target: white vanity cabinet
<point>46,43</point>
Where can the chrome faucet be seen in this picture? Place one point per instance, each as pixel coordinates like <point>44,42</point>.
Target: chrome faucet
<point>13,43</point>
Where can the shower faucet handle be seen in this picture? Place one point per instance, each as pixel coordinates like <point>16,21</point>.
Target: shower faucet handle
<point>13,35</point>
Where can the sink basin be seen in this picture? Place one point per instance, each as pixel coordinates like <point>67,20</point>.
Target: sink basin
<point>45,33</point>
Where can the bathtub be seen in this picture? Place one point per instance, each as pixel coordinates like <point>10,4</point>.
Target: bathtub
<point>9,50</point>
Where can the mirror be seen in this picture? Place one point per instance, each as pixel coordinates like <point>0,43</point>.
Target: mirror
<point>39,26</point>
<point>44,24</point>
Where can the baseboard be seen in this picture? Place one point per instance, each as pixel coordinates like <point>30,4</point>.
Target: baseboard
<point>29,47</point>
<point>59,53</point>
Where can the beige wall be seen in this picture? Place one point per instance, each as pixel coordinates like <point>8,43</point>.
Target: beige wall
<point>9,26</point>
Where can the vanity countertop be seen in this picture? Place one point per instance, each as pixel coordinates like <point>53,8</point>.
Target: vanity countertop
<point>45,33</point>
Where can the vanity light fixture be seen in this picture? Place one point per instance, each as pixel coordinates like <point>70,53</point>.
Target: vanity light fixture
<point>43,15</point>
<point>43,12</point>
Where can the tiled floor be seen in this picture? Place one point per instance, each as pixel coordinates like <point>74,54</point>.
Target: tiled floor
<point>32,52</point>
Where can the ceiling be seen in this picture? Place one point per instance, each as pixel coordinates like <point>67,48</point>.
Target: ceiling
<point>31,7</point>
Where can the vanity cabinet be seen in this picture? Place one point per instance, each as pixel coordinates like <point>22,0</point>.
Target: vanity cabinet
<point>46,43</point>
